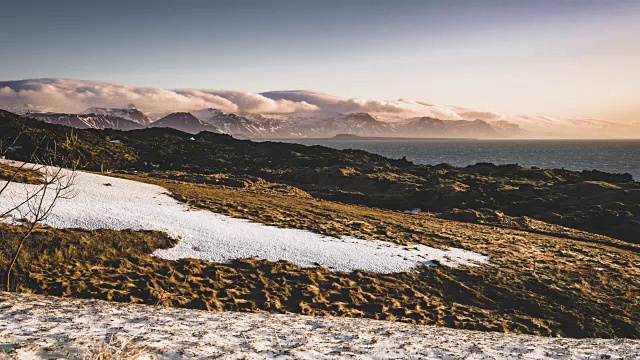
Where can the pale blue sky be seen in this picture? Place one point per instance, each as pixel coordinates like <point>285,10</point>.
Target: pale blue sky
<point>564,58</point>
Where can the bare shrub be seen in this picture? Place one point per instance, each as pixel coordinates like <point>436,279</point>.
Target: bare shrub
<point>34,205</point>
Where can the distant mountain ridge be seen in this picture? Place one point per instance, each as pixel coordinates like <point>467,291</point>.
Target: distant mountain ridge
<point>130,113</point>
<point>448,128</point>
<point>184,121</point>
<point>293,107</point>
<point>87,121</point>
<point>233,124</point>
<point>260,126</point>
<point>365,125</point>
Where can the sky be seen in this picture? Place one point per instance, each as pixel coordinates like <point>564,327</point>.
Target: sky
<point>558,58</point>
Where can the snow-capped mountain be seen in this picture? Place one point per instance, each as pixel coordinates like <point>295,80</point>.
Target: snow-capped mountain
<point>361,124</point>
<point>87,121</point>
<point>130,113</point>
<point>260,126</point>
<point>527,125</point>
<point>284,109</point>
<point>184,121</point>
<point>418,127</point>
<point>208,113</point>
<point>233,124</point>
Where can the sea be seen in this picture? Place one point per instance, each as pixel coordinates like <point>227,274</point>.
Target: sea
<point>613,156</point>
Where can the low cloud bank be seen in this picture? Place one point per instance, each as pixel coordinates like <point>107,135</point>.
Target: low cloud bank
<point>65,95</point>
<point>73,96</point>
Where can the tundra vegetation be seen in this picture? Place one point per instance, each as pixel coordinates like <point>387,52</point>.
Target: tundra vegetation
<point>563,245</point>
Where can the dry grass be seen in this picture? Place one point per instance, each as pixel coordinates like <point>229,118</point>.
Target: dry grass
<point>24,175</point>
<point>116,349</point>
<point>536,283</point>
<point>289,207</point>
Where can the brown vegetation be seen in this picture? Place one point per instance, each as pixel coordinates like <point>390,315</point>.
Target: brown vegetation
<point>542,279</point>
<point>592,201</point>
<point>116,349</point>
<point>25,176</point>
<point>536,283</point>
<point>289,207</point>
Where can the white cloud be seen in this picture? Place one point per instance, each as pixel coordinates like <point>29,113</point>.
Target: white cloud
<point>251,102</point>
<point>65,95</point>
<point>335,104</point>
<point>332,104</point>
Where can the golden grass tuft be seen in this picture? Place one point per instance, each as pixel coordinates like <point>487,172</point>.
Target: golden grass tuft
<point>115,349</point>
<point>24,175</point>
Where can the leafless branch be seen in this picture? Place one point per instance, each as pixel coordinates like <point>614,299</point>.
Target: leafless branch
<point>37,202</point>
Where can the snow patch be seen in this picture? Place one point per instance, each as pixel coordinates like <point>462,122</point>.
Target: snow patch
<point>213,237</point>
<point>39,327</point>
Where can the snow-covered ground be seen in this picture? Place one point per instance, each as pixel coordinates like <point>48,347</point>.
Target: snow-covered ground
<point>112,203</point>
<point>38,327</point>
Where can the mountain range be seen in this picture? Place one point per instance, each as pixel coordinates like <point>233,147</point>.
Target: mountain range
<point>290,113</point>
<point>541,228</point>
<point>256,126</point>
<point>130,113</point>
<point>88,121</point>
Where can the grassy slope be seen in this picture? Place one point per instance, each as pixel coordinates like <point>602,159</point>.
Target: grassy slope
<point>591,201</point>
<point>537,283</point>
<point>568,283</point>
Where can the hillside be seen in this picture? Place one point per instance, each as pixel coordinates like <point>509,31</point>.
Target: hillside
<point>569,284</point>
<point>607,204</point>
<point>539,277</point>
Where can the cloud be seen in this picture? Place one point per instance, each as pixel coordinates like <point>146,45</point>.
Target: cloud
<point>335,104</point>
<point>251,102</point>
<point>64,95</point>
<point>331,104</point>
<point>482,115</point>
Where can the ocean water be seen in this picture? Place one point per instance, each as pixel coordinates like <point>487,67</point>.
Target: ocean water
<point>614,156</point>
